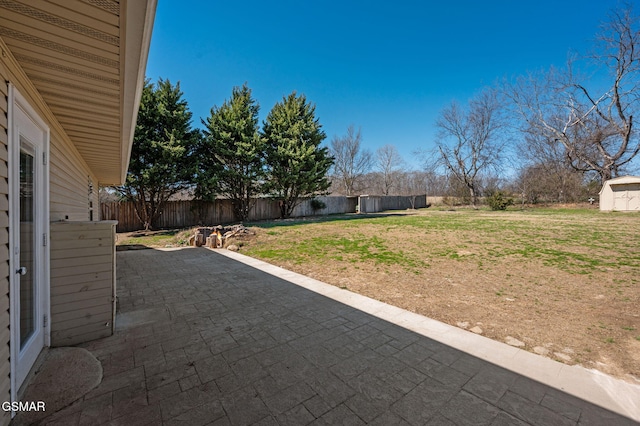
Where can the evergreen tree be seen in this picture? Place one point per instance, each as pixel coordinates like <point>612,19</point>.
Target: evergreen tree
<point>163,141</point>
<point>232,162</point>
<point>296,163</point>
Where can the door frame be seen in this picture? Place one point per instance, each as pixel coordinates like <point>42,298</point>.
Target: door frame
<point>18,104</point>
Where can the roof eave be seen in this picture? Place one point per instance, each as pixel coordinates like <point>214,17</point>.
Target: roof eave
<point>136,39</point>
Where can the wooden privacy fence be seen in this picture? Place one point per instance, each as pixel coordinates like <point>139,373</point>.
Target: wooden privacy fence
<point>380,203</point>
<point>183,214</point>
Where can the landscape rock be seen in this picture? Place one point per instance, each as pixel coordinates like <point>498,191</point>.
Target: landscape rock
<point>562,356</point>
<point>463,324</point>
<point>476,330</point>
<point>540,350</point>
<point>513,341</point>
<point>233,247</point>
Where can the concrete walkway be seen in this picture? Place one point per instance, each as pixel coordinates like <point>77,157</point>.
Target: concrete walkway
<point>215,338</point>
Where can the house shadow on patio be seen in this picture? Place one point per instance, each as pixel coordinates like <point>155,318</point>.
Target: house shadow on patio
<point>215,337</point>
<point>64,376</point>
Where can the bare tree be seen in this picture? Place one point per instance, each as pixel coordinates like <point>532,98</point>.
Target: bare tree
<point>594,128</point>
<point>549,182</point>
<point>546,175</point>
<point>436,184</point>
<point>469,141</point>
<point>388,163</point>
<point>351,162</point>
<point>411,184</point>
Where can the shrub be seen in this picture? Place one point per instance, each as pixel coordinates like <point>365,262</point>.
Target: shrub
<point>317,205</point>
<point>499,201</point>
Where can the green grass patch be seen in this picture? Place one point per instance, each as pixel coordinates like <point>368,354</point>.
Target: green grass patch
<point>577,241</point>
<point>173,237</point>
<point>356,248</point>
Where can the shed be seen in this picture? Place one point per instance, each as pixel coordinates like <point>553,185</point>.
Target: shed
<point>621,194</point>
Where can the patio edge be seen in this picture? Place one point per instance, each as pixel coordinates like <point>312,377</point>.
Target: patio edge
<point>590,385</point>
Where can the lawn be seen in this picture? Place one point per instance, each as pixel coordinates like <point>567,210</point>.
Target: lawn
<point>144,239</point>
<point>564,283</point>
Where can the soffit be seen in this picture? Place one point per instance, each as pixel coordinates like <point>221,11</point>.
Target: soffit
<point>74,53</point>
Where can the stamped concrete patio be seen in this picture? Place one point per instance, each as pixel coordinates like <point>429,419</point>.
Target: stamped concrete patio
<point>215,338</point>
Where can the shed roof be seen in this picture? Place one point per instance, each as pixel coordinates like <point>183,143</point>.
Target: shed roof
<point>622,180</point>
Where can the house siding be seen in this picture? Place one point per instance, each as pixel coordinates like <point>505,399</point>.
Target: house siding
<point>69,184</point>
<point>5,334</point>
<point>69,195</point>
<point>69,174</point>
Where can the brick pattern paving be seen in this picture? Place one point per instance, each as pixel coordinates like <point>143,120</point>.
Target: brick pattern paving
<point>205,340</point>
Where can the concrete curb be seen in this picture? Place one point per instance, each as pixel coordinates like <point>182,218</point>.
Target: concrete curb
<point>590,385</point>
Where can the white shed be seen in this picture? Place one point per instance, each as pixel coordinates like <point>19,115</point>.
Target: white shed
<point>621,194</point>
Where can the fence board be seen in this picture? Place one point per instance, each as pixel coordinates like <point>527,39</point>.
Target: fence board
<point>183,214</point>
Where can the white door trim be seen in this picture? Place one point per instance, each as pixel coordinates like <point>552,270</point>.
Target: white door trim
<point>19,111</point>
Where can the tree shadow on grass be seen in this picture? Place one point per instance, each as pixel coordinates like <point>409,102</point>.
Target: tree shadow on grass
<point>320,219</point>
<point>139,240</point>
<point>143,233</point>
<point>126,247</point>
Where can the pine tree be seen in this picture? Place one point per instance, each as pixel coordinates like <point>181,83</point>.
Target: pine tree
<point>296,163</point>
<point>161,153</point>
<point>232,161</point>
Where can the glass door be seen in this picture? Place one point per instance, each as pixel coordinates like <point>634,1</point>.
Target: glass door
<point>26,278</point>
<point>28,229</point>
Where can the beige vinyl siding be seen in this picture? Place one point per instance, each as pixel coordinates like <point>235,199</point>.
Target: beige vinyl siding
<point>69,174</point>
<point>69,195</point>
<point>5,332</point>
<point>69,183</point>
<point>82,281</point>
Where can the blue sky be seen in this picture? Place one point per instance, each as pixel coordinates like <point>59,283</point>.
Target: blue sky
<point>386,67</point>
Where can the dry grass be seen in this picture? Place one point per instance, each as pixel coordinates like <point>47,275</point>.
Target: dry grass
<point>564,282</point>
